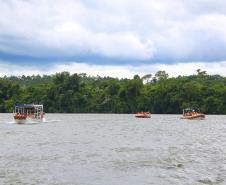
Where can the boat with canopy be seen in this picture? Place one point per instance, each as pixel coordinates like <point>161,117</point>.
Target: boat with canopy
<point>24,113</point>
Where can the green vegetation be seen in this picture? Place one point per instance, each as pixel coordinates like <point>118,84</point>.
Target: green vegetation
<point>80,93</point>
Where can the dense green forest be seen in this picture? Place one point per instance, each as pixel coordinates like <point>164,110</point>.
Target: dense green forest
<point>79,93</point>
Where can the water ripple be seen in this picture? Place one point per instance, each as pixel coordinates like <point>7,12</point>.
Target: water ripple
<point>94,149</point>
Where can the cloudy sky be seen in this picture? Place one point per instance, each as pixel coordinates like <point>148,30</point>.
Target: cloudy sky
<point>118,38</point>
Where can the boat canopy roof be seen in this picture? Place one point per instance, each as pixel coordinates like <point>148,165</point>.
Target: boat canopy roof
<point>191,109</point>
<point>28,106</point>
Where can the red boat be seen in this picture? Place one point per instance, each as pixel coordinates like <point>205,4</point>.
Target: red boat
<point>143,115</point>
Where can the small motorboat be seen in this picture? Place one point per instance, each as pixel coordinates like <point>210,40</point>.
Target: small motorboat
<point>143,115</point>
<point>192,114</point>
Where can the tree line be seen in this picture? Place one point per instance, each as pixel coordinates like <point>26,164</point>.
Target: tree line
<point>78,93</point>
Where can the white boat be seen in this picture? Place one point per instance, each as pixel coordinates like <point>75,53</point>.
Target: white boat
<point>28,113</point>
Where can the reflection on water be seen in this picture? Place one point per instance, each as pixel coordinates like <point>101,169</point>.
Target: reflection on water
<point>95,149</point>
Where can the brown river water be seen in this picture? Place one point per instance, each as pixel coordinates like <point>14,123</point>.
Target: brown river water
<point>113,149</point>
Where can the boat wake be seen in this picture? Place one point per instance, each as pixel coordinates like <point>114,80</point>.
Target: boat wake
<point>51,121</point>
<point>34,122</point>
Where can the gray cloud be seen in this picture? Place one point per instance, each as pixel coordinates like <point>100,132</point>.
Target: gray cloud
<point>143,30</point>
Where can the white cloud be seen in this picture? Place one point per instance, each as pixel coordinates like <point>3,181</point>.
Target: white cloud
<point>142,30</point>
<point>109,45</point>
<point>120,71</point>
<point>64,29</point>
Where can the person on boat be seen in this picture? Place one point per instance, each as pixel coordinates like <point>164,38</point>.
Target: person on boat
<point>189,113</point>
<point>42,115</point>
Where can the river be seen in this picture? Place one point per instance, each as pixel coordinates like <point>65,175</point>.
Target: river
<point>113,149</point>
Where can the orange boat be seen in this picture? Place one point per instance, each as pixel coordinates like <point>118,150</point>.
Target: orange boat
<point>192,114</point>
<point>143,115</point>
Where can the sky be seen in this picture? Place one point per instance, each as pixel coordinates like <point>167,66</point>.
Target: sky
<point>118,38</point>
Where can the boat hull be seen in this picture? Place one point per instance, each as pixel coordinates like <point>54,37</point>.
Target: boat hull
<point>143,116</point>
<point>20,121</point>
<point>197,117</point>
<point>28,121</point>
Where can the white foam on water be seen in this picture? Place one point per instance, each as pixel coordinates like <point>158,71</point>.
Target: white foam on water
<point>51,121</point>
<point>29,122</point>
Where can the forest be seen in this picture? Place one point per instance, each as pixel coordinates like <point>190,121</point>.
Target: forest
<point>78,93</point>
